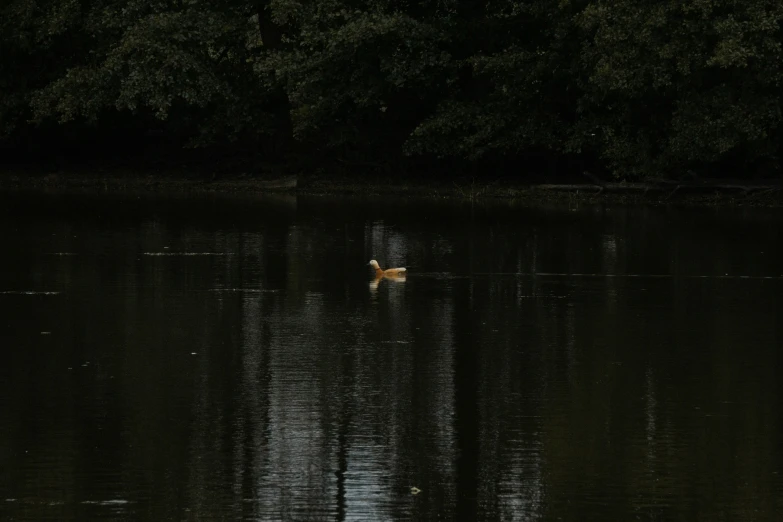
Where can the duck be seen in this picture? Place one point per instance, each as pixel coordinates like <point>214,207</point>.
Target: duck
<point>389,272</point>
<point>396,275</point>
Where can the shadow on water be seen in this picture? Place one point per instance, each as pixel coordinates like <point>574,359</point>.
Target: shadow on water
<point>234,358</point>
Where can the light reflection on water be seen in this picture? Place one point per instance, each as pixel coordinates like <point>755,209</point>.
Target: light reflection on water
<point>234,359</point>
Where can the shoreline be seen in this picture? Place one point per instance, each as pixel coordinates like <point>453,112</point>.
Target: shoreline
<point>662,193</point>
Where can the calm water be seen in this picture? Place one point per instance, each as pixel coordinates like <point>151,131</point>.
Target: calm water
<point>219,359</point>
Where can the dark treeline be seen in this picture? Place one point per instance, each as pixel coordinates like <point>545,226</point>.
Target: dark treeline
<point>627,88</point>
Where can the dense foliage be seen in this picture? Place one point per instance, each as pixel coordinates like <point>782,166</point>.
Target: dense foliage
<point>638,88</point>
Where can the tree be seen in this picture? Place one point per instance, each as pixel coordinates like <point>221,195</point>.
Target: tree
<point>193,59</point>
<point>359,74</point>
<point>38,42</point>
<point>668,85</point>
<point>514,91</point>
<point>639,88</point>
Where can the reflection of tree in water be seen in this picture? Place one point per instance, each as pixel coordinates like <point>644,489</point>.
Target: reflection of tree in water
<point>482,380</point>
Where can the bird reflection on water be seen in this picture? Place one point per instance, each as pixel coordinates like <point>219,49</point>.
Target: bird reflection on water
<point>377,281</point>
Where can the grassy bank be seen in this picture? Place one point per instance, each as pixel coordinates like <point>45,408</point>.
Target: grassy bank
<point>117,181</point>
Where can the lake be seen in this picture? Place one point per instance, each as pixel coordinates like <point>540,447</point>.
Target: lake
<point>232,358</point>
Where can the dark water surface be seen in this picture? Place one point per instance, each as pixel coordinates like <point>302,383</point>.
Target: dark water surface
<point>228,359</point>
